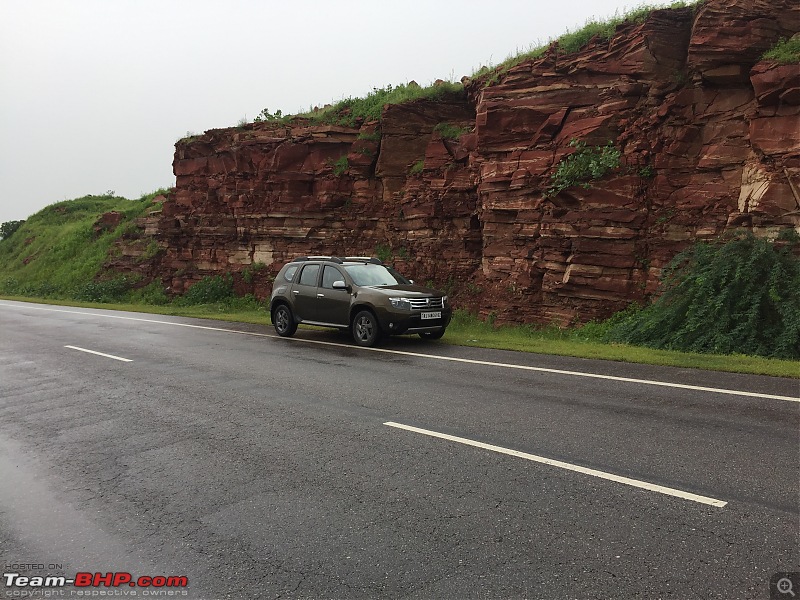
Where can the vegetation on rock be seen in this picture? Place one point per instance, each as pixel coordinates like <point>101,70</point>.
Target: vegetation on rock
<point>582,166</point>
<point>785,51</point>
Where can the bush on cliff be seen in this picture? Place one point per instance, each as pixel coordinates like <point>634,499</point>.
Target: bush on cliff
<point>738,295</point>
<point>785,51</point>
<point>582,166</point>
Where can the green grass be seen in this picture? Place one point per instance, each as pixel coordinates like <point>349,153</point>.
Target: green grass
<point>56,252</point>
<point>785,51</point>
<point>584,342</point>
<point>448,131</point>
<point>351,111</point>
<point>573,41</point>
<point>340,166</point>
<point>467,330</point>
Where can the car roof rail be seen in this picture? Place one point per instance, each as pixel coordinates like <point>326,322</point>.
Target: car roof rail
<point>368,259</point>
<point>305,258</point>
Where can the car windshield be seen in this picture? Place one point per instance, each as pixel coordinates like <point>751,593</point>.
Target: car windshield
<point>375,275</point>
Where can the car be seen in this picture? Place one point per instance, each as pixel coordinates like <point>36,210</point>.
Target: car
<point>355,293</point>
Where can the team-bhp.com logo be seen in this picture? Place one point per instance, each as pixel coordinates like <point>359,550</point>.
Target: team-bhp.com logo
<point>95,580</point>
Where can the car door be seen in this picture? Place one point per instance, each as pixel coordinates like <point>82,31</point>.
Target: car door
<point>333,306</point>
<point>304,293</point>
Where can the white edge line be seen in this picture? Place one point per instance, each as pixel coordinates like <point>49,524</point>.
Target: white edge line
<point>568,466</point>
<point>100,353</point>
<point>683,386</point>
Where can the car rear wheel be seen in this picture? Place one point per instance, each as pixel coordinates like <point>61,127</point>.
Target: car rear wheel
<point>365,328</point>
<point>432,335</point>
<point>283,321</point>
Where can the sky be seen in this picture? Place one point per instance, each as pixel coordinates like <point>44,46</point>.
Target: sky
<point>95,93</point>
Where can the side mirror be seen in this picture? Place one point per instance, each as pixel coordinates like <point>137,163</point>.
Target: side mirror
<point>411,281</point>
<point>339,285</point>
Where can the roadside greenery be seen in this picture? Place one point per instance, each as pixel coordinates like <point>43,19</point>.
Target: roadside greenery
<point>740,295</point>
<point>57,253</point>
<point>208,290</point>
<point>468,330</point>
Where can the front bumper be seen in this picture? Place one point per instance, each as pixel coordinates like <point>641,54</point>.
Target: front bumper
<point>399,322</point>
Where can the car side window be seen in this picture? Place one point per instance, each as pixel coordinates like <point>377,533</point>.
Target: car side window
<point>308,276</point>
<point>290,273</point>
<point>329,275</point>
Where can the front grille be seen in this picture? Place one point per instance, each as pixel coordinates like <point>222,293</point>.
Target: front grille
<point>426,303</point>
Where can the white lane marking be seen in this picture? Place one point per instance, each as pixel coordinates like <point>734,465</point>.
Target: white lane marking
<point>100,353</point>
<point>568,466</point>
<point>436,357</point>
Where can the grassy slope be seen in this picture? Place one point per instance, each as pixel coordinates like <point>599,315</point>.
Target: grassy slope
<point>56,252</point>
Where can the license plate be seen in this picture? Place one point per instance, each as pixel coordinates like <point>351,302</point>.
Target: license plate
<point>431,315</point>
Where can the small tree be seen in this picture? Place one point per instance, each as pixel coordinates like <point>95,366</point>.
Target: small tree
<point>8,228</point>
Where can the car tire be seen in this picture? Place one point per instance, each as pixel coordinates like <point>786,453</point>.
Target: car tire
<point>365,329</point>
<point>283,321</point>
<point>432,335</point>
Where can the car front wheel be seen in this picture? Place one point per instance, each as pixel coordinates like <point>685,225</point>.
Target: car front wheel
<point>366,330</point>
<point>283,321</point>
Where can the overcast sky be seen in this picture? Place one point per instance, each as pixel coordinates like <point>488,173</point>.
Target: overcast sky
<point>94,93</point>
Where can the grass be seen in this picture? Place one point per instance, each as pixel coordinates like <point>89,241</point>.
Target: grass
<point>56,253</point>
<point>448,131</point>
<point>785,51</point>
<point>350,112</point>
<point>467,330</point>
<point>573,41</point>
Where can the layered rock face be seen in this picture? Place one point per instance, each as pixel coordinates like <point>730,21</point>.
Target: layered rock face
<point>709,140</point>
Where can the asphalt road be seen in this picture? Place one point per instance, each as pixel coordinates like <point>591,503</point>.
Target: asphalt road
<point>260,467</point>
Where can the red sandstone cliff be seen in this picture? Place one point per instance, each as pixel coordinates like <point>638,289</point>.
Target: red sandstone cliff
<point>710,140</point>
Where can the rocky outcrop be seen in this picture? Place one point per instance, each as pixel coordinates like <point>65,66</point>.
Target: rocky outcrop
<point>708,136</point>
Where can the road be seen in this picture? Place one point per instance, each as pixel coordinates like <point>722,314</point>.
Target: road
<point>262,467</point>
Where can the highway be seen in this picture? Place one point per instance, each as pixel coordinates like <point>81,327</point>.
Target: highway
<point>264,467</point>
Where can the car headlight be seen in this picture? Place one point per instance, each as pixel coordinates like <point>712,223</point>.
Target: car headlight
<point>400,303</point>
<point>444,300</point>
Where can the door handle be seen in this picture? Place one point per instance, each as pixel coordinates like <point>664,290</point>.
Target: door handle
<point>320,295</point>
<point>295,291</point>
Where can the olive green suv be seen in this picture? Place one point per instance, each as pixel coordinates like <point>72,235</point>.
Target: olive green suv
<point>358,294</point>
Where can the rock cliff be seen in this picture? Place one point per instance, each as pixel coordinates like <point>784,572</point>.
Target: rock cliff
<point>709,138</point>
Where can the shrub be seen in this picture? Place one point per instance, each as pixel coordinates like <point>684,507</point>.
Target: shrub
<point>417,167</point>
<point>785,51</point>
<point>110,290</point>
<point>265,115</point>
<point>209,289</point>
<point>340,166</point>
<point>738,295</point>
<point>152,294</point>
<point>582,166</point>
